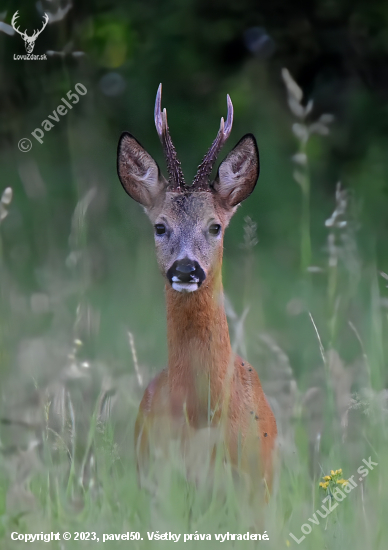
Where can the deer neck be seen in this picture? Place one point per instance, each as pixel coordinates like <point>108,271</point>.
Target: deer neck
<point>199,350</point>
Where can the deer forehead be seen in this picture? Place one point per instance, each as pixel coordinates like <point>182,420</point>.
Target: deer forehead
<point>189,208</point>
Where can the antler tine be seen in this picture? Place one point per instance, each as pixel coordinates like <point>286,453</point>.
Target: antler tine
<point>229,118</point>
<point>15,16</point>
<point>46,20</point>
<point>176,179</point>
<point>159,115</point>
<point>37,32</point>
<point>201,179</point>
<point>13,23</point>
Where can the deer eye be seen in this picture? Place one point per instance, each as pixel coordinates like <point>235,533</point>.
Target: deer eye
<point>160,229</point>
<point>214,229</point>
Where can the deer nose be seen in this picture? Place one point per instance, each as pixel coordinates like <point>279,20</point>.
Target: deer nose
<point>185,268</point>
<point>186,271</point>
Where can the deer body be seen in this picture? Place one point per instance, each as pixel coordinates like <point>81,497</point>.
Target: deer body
<point>205,385</point>
<point>205,381</point>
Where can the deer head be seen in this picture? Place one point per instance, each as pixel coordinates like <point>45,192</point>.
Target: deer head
<point>189,221</point>
<point>29,41</point>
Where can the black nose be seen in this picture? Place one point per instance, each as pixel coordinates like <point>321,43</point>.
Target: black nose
<point>186,271</point>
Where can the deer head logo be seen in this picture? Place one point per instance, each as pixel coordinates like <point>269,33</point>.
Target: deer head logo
<point>29,41</point>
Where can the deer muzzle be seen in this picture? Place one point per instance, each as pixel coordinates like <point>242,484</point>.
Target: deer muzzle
<point>186,275</point>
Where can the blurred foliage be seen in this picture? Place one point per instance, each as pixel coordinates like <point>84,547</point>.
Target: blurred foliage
<point>77,255</point>
<point>336,51</point>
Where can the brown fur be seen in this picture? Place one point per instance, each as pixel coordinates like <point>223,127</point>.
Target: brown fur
<point>202,374</point>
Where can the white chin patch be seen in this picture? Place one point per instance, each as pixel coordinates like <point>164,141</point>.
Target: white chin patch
<point>185,287</point>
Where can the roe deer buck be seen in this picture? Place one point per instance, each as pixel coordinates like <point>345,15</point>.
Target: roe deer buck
<point>205,384</point>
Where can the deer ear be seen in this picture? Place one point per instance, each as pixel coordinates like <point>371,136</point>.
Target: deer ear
<point>237,174</point>
<point>138,172</point>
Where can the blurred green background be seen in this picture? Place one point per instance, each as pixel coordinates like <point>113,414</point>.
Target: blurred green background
<point>77,262</point>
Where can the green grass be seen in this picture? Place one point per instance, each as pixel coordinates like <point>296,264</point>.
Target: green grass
<point>43,487</point>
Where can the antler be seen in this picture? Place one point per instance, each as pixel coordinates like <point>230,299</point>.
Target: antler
<point>37,33</point>
<point>176,179</point>
<point>13,23</point>
<point>201,179</point>
<point>24,34</point>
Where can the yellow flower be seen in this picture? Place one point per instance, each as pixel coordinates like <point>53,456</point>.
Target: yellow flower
<point>342,481</point>
<point>332,479</point>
